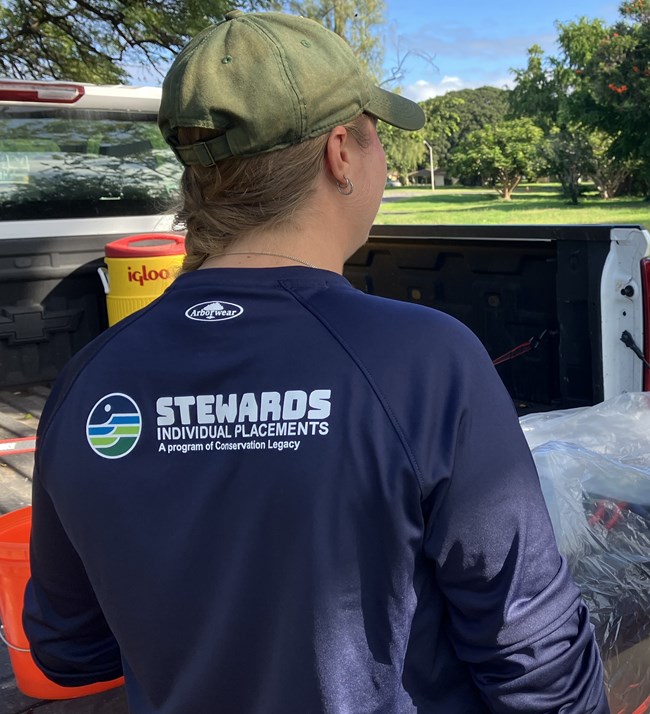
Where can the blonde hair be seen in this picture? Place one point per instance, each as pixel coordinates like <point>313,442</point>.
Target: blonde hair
<point>240,195</point>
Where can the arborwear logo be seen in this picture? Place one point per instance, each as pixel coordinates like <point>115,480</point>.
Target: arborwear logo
<point>114,426</point>
<point>214,311</point>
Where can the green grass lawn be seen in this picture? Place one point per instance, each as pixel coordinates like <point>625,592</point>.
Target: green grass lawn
<point>535,204</point>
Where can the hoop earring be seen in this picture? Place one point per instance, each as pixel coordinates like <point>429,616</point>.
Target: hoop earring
<point>345,189</point>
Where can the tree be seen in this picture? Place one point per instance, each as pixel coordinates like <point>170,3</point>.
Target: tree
<point>553,91</point>
<point>442,123</point>
<point>108,41</point>
<point>98,41</point>
<point>557,93</point>
<point>404,149</point>
<point>608,171</point>
<point>454,115</point>
<point>618,81</point>
<point>569,158</point>
<point>596,93</point>
<point>480,107</point>
<point>502,155</point>
<point>537,92</point>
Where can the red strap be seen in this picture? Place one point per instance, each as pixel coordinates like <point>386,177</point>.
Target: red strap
<point>11,447</point>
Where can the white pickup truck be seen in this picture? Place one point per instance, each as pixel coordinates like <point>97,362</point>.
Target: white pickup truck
<point>82,165</point>
<point>563,310</point>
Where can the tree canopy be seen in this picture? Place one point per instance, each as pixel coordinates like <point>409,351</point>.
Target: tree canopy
<point>593,99</point>
<point>502,154</point>
<point>452,116</point>
<point>617,79</point>
<point>98,41</point>
<point>112,41</point>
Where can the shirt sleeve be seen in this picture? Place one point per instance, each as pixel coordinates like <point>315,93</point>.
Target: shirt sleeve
<point>69,638</point>
<point>515,614</point>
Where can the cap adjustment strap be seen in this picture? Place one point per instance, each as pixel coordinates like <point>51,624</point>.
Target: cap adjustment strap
<point>206,153</point>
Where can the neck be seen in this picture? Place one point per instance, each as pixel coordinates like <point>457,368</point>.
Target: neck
<point>248,254</point>
<point>271,250</point>
<point>269,254</point>
<point>322,236</point>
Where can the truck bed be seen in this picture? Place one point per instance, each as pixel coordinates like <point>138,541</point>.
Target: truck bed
<point>509,284</point>
<point>569,290</point>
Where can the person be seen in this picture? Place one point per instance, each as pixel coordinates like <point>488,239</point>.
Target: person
<point>269,492</point>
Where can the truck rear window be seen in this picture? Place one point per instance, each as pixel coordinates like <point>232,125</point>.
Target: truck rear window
<point>65,163</point>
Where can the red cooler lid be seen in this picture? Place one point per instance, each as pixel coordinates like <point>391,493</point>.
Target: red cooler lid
<point>146,245</point>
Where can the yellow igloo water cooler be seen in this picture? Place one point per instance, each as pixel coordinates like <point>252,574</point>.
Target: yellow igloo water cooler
<point>139,268</point>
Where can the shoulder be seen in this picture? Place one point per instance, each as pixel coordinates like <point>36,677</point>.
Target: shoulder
<point>407,330</point>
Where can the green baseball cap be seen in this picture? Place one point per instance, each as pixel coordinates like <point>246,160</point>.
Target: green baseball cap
<point>267,81</point>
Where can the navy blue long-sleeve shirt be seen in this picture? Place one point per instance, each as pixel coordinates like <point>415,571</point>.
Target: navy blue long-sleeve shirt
<point>270,493</point>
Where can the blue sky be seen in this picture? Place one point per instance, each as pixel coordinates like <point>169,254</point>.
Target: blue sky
<point>474,43</point>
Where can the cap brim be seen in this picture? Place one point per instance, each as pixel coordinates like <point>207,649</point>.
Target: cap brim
<point>395,109</point>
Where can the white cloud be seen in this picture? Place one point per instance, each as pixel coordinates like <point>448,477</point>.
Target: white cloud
<point>423,89</point>
<point>452,82</point>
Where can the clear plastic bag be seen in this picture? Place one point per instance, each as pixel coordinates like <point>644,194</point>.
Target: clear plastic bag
<point>594,468</point>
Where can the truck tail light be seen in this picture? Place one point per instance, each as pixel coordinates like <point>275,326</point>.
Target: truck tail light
<point>645,289</point>
<point>62,93</point>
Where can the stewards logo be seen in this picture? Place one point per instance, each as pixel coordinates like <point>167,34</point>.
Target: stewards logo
<point>214,311</point>
<point>114,426</point>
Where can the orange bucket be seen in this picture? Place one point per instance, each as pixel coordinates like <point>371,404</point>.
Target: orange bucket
<point>14,573</point>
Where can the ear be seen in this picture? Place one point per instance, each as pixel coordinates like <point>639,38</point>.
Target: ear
<point>337,153</point>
